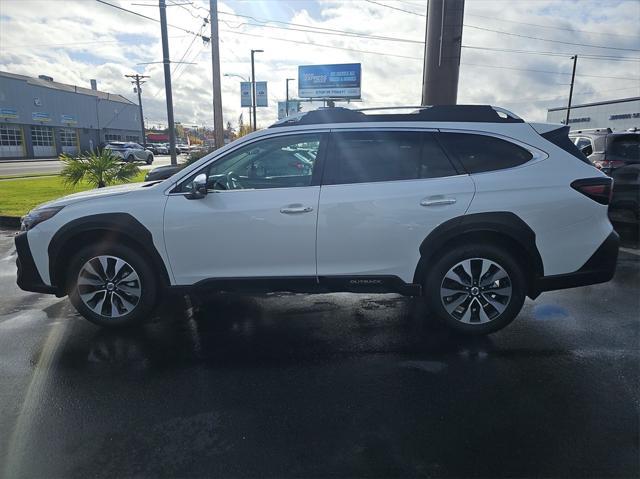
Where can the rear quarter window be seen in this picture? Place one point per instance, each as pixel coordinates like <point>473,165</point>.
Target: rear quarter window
<point>481,153</point>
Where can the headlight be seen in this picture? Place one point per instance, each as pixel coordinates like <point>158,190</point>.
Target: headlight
<point>37,216</point>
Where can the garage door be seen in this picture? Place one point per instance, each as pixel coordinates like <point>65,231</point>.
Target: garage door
<point>11,144</point>
<point>69,141</point>
<point>43,143</point>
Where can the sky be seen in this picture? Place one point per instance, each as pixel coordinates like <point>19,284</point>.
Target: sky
<point>74,41</point>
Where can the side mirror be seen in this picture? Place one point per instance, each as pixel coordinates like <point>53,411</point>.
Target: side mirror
<point>587,150</point>
<point>198,187</point>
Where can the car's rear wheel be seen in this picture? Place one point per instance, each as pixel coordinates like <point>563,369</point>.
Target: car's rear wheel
<point>131,158</point>
<point>149,158</point>
<point>112,285</point>
<point>476,289</point>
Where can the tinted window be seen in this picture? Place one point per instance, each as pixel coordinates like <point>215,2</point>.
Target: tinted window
<point>371,156</point>
<point>479,153</point>
<point>582,142</point>
<point>624,147</point>
<point>280,162</point>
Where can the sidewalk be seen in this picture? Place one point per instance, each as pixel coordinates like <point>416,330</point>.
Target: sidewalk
<point>23,160</point>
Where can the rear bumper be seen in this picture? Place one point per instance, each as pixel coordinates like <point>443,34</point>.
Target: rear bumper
<point>28,276</point>
<point>600,268</point>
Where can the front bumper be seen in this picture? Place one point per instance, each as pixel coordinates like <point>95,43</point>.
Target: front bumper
<point>600,268</point>
<point>28,276</point>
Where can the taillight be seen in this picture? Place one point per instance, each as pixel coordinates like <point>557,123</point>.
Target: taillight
<point>598,189</point>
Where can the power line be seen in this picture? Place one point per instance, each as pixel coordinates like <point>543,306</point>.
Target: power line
<point>320,30</point>
<point>149,18</point>
<point>552,41</point>
<point>510,33</point>
<point>396,39</point>
<point>553,54</point>
<point>402,56</point>
<point>551,27</point>
<point>396,8</point>
<point>545,71</point>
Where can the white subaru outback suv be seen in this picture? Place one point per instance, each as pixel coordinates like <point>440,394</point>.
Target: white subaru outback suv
<point>467,205</point>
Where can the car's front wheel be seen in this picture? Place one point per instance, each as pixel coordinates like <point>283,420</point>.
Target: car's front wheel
<point>476,289</point>
<point>149,158</point>
<point>112,285</point>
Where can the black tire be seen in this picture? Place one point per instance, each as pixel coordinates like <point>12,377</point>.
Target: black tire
<point>474,323</point>
<point>130,159</point>
<point>149,158</point>
<point>148,285</point>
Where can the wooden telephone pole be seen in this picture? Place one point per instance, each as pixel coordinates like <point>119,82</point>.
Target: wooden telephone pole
<point>137,82</point>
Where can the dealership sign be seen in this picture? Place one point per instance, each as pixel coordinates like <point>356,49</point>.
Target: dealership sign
<point>261,94</point>
<point>245,94</point>
<point>40,116</point>
<point>68,119</point>
<point>329,81</point>
<point>8,113</point>
<point>294,107</point>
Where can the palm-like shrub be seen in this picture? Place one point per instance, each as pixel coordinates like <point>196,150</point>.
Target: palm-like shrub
<point>99,169</point>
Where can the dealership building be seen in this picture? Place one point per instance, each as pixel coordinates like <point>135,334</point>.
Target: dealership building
<point>618,115</point>
<point>41,118</point>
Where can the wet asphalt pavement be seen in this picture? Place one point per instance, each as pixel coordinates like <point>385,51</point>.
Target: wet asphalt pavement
<point>334,385</point>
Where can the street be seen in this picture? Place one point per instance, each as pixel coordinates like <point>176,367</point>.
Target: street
<point>287,385</point>
<point>25,168</point>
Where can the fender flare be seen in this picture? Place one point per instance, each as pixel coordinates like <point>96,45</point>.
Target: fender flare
<point>123,224</point>
<point>503,223</point>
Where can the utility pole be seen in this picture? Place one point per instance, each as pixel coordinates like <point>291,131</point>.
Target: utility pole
<point>215,70</point>
<point>286,107</point>
<point>167,81</point>
<point>443,42</point>
<point>138,83</point>
<point>253,88</point>
<point>573,77</point>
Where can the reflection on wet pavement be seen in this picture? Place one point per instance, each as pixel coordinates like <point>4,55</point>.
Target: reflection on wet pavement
<point>292,385</point>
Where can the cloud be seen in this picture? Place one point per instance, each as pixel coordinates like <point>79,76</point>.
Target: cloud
<point>74,41</point>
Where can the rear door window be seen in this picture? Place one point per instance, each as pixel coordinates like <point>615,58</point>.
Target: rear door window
<point>374,156</point>
<point>480,153</point>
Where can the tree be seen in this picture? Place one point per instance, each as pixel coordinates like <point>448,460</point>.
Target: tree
<point>98,169</point>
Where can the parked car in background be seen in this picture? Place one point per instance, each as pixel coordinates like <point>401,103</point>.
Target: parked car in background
<point>158,148</point>
<point>444,203</point>
<point>130,151</point>
<point>617,154</point>
<point>163,172</point>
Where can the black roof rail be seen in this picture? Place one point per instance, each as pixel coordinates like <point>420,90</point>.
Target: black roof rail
<point>445,113</point>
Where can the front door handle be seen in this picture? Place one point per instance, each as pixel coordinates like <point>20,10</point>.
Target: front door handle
<point>292,210</point>
<point>437,201</point>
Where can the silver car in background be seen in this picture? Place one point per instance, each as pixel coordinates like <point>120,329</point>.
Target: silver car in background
<point>130,152</point>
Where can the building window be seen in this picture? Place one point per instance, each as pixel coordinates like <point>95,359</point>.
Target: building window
<point>132,138</point>
<point>112,138</point>
<point>42,136</point>
<point>68,137</point>
<point>10,135</point>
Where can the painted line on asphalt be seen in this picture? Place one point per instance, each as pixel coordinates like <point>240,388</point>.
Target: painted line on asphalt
<point>631,251</point>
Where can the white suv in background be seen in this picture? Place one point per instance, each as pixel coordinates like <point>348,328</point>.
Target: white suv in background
<point>468,206</point>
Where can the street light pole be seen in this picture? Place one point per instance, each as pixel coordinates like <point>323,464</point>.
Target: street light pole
<point>286,105</point>
<point>253,87</point>
<point>244,80</point>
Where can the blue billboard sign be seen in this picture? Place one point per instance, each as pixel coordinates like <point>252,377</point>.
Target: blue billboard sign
<point>329,81</point>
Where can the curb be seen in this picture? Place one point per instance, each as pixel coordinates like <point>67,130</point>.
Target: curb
<point>10,222</point>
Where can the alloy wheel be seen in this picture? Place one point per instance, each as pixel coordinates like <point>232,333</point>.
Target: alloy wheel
<point>476,291</point>
<point>109,286</point>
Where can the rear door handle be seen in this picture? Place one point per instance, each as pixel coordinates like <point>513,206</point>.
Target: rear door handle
<point>292,210</point>
<point>437,201</point>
